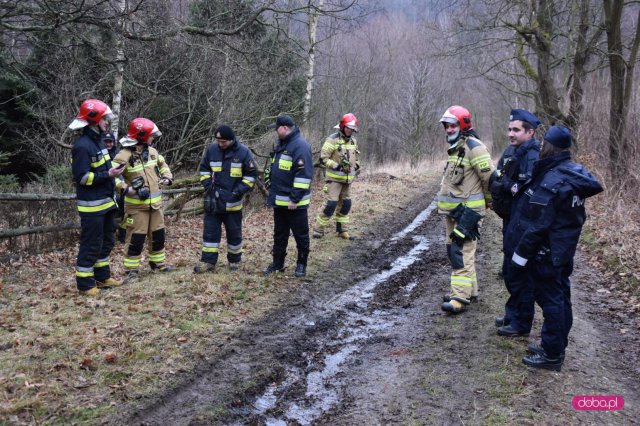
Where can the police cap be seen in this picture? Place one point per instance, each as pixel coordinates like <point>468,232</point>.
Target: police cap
<point>558,136</point>
<point>524,115</point>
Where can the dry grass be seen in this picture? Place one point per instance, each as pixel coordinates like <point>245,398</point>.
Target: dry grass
<point>65,358</point>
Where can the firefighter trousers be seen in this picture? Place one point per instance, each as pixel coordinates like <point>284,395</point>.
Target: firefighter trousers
<point>144,225</point>
<point>338,198</point>
<point>287,221</point>
<point>212,234</point>
<point>464,283</point>
<point>97,238</point>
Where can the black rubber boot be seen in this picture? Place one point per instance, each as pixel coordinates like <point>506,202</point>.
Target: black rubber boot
<point>276,266</point>
<point>301,266</point>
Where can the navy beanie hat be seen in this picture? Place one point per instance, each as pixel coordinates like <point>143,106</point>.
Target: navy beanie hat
<point>225,132</point>
<point>558,136</point>
<point>524,115</point>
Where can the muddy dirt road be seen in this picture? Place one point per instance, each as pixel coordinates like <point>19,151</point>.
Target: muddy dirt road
<point>365,343</point>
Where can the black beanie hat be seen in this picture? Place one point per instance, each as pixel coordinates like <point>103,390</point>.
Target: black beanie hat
<point>225,132</point>
<point>558,136</point>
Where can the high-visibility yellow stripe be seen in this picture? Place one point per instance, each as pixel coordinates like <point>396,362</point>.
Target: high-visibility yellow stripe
<point>93,209</point>
<point>342,219</point>
<point>84,274</point>
<point>101,264</point>
<point>90,179</point>
<point>98,163</point>
<point>301,185</point>
<point>210,249</point>
<point>448,206</point>
<point>140,202</point>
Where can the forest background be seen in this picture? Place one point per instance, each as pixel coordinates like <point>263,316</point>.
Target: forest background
<point>191,65</point>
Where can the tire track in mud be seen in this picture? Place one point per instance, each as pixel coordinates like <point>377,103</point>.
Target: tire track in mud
<point>304,354</point>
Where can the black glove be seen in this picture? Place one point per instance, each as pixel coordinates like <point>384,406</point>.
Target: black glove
<point>456,213</point>
<point>143,193</point>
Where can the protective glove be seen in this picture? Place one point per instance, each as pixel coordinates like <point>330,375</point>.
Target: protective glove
<point>456,213</point>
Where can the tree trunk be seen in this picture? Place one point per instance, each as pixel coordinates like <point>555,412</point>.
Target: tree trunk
<point>313,35</point>
<point>118,80</point>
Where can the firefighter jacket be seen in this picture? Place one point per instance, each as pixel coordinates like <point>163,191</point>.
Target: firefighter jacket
<point>514,169</point>
<point>466,176</point>
<point>291,172</point>
<point>90,168</point>
<point>228,175</point>
<point>549,212</point>
<point>339,156</point>
<point>142,161</point>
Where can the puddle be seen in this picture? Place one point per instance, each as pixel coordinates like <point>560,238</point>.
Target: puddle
<point>323,385</point>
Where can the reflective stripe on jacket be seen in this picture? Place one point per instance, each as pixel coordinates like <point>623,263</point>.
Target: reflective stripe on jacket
<point>232,171</point>
<point>152,171</point>
<point>291,172</point>
<point>90,164</point>
<point>335,149</point>
<point>466,176</point>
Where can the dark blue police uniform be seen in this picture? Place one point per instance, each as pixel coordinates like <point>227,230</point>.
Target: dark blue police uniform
<point>291,174</point>
<point>95,201</point>
<point>515,167</point>
<point>543,234</point>
<point>227,176</point>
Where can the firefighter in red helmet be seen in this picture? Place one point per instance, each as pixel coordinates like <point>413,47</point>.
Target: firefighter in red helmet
<point>145,172</point>
<point>339,157</point>
<point>94,179</point>
<point>463,198</point>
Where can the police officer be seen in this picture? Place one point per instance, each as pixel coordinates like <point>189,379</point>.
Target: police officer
<point>93,176</point>
<point>545,226</point>
<point>145,171</point>
<point>227,173</point>
<point>463,197</point>
<point>339,156</point>
<point>513,169</point>
<point>290,194</point>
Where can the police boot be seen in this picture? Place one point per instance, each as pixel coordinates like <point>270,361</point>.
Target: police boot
<point>301,266</point>
<point>508,331</point>
<point>453,306</point>
<point>543,361</point>
<point>536,349</point>
<point>276,266</point>
<point>108,283</point>
<point>499,322</point>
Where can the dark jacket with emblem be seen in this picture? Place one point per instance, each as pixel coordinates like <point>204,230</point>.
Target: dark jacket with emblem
<point>227,175</point>
<point>291,172</point>
<point>549,212</point>
<point>515,167</point>
<point>90,168</point>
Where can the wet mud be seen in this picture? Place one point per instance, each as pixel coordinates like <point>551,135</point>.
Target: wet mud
<point>376,348</point>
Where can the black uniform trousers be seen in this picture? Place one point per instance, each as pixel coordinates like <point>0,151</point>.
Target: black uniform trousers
<point>520,307</point>
<point>97,238</point>
<point>287,221</point>
<point>552,291</point>
<point>212,235</point>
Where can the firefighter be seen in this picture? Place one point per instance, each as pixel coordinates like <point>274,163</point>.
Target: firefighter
<point>227,172</point>
<point>290,194</point>
<point>120,225</point>
<point>145,171</point>
<point>545,226</point>
<point>463,197</point>
<point>339,157</point>
<point>94,179</point>
<point>513,170</point>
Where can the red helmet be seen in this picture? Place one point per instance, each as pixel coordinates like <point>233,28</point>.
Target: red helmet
<point>91,112</point>
<point>460,115</point>
<point>141,129</point>
<point>349,121</point>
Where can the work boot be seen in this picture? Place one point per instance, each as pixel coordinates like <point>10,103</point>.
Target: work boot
<point>108,283</point>
<point>543,361</point>
<point>536,349</point>
<point>131,277</point>
<point>453,306</point>
<point>234,266</point>
<point>273,267</point>
<point>203,267</point>
<point>92,292</point>
<point>447,297</point>
<point>318,233</point>
<point>508,331</point>
<point>301,270</point>
<point>499,322</point>
<point>160,268</point>
<point>345,236</point>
